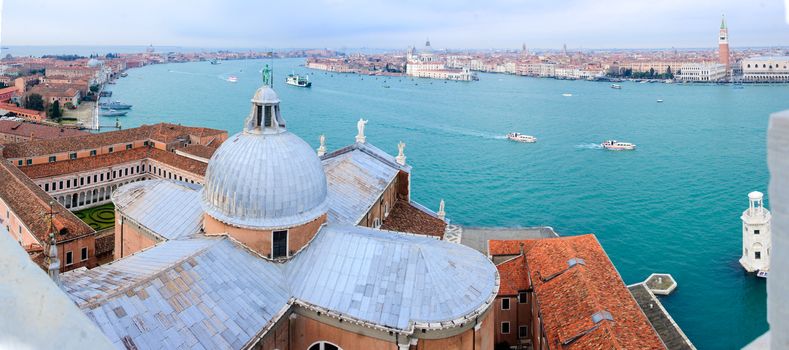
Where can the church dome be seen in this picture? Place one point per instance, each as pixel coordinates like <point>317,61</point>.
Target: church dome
<point>265,177</point>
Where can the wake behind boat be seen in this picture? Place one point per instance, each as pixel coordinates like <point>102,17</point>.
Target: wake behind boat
<point>516,136</point>
<point>297,80</point>
<point>232,79</point>
<point>614,145</point>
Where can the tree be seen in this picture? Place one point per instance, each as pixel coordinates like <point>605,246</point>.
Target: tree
<point>651,72</point>
<point>668,72</point>
<point>54,111</point>
<point>35,102</point>
<point>94,88</point>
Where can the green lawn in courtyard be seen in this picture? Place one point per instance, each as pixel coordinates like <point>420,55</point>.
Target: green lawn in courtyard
<point>99,218</point>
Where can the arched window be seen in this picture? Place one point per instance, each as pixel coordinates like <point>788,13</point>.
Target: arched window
<point>323,345</point>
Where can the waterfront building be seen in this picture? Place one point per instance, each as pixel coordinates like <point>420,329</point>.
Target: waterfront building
<point>65,93</point>
<point>756,235</point>
<point>766,69</point>
<point>723,44</point>
<point>701,72</point>
<point>425,64</point>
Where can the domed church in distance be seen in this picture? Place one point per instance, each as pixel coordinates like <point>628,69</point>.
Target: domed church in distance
<point>282,249</point>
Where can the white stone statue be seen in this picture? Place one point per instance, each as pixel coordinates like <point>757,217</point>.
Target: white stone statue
<point>322,148</point>
<point>360,125</point>
<point>441,213</point>
<point>400,155</point>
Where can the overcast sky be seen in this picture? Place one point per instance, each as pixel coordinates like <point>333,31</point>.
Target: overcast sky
<point>394,24</point>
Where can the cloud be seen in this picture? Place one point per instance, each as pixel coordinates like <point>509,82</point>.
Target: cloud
<point>392,24</point>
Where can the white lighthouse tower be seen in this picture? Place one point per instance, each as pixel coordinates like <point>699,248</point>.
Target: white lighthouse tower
<point>756,235</point>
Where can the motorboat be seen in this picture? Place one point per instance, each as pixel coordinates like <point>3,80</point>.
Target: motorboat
<point>297,80</point>
<point>616,86</point>
<point>567,95</point>
<point>112,113</point>
<point>659,101</point>
<point>124,75</point>
<point>232,79</point>
<point>114,105</point>
<point>614,145</point>
<point>516,136</point>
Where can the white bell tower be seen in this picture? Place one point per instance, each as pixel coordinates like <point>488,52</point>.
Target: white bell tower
<point>756,242</point>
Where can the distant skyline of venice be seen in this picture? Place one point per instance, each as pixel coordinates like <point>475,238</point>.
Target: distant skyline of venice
<point>461,24</point>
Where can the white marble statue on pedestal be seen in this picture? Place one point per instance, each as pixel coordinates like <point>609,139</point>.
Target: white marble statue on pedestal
<point>360,125</point>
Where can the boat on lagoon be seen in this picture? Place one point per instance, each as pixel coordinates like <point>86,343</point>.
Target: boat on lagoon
<point>516,136</point>
<point>297,80</point>
<point>112,113</point>
<point>614,145</point>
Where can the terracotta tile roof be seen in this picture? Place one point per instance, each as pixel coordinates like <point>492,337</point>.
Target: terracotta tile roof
<point>31,204</point>
<point>199,150</point>
<point>162,132</point>
<point>6,90</point>
<point>38,131</point>
<point>106,160</point>
<point>404,217</point>
<point>514,276</point>
<point>180,162</point>
<point>568,297</point>
<point>19,110</point>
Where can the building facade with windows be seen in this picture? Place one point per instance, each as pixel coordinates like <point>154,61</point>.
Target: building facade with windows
<point>766,69</point>
<point>701,72</point>
<point>59,172</point>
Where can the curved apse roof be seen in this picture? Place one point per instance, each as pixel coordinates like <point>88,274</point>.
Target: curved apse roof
<point>386,279</point>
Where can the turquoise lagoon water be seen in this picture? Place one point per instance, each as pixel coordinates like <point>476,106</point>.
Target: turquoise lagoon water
<point>672,206</point>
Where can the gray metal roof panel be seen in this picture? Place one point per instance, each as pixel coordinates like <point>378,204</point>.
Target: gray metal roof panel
<point>356,180</point>
<point>215,293</point>
<point>168,208</point>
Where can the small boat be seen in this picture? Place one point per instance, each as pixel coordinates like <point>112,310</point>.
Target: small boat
<point>124,75</point>
<point>114,105</point>
<point>516,136</point>
<point>614,145</point>
<point>762,274</point>
<point>112,113</point>
<point>214,61</point>
<point>659,101</point>
<point>616,86</point>
<point>567,95</point>
<point>296,80</point>
<point>232,79</point>
<point>386,86</point>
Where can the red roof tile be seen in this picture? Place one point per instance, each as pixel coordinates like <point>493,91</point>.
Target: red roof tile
<point>39,131</point>
<point>106,160</point>
<point>404,217</point>
<point>569,296</point>
<point>31,204</point>
<point>162,132</point>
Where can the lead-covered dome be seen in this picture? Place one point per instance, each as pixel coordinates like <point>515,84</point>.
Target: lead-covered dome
<point>265,177</point>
